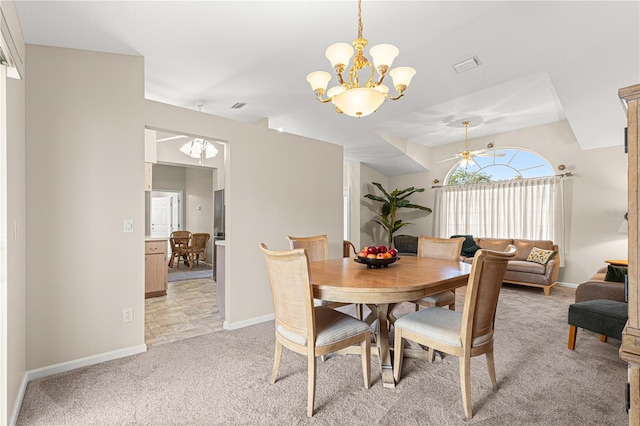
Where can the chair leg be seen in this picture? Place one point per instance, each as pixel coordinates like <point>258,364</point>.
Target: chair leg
<point>359,311</point>
<point>491,366</point>
<point>397,354</point>
<point>431,354</point>
<point>573,330</point>
<point>465,384</point>
<point>603,338</point>
<point>276,361</point>
<point>366,360</point>
<point>311,381</point>
<point>452,307</point>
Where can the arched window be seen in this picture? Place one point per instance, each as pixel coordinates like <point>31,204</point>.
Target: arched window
<point>498,165</point>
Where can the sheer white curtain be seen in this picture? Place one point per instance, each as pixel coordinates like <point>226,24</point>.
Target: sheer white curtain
<point>529,208</point>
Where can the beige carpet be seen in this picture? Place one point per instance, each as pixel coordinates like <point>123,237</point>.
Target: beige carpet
<point>222,379</point>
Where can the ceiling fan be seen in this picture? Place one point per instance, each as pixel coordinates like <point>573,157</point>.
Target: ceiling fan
<point>466,156</point>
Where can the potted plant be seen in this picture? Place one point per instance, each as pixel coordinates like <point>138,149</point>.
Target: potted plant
<point>390,204</point>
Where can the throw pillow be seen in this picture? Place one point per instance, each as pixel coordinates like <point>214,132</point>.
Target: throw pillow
<point>616,273</point>
<point>469,247</point>
<point>541,256</point>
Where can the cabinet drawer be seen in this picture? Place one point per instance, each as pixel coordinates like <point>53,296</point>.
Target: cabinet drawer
<point>155,247</point>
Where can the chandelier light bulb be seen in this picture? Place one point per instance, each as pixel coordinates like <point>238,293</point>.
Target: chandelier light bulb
<point>402,76</point>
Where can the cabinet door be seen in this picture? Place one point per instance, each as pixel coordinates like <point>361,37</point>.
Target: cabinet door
<point>155,274</point>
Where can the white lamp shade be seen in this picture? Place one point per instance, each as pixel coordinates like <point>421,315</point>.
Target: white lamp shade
<point>339,53</point>
<point>402,75</point>
<point>194,148</point>
<point>319,80</point>
<point>335,91</point>
<point>382,88</point>
<point>210,150</point>
<point>383,54</point>
<point>359,102</point>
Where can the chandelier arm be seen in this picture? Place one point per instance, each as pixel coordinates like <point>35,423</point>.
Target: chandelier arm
<point>324,101</point>
<point>395,98</point>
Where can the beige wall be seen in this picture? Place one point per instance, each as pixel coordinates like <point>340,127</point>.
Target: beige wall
<point>85,155</point>
<point>14,228</point>
<point>595,196</point>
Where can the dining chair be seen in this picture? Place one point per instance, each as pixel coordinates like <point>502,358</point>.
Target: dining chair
<point>317,248</point>
<point>463,334</point>
<point>348,248</point>
<point>179,241</point>
<point>197,248</point>
<point>439,248</point>
<point>307,329</point>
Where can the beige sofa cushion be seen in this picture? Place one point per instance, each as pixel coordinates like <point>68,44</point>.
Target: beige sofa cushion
<point>495,244</point>
<point>523,247</point>
<point>524,266</point>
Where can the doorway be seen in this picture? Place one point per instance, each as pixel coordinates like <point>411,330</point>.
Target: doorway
<point>166,214</point>
<point>182,198</point>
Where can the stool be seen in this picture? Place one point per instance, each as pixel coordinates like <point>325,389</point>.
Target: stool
<point>606,317</point>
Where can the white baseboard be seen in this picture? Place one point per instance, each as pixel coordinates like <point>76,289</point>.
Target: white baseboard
<point>83,362</point>
<point>570,285</point>
<point>247,323</point>
<point>18,402</point>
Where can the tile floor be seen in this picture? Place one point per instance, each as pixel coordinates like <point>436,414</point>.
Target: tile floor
<point>189,309</point>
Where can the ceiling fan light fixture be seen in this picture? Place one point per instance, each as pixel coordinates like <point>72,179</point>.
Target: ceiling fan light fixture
<point>360,95</point>
<point>200,149</point>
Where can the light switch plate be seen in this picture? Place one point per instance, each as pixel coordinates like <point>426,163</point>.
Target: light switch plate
<point>128,225</point>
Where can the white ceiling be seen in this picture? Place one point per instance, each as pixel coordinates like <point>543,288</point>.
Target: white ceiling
<point>541,62</point>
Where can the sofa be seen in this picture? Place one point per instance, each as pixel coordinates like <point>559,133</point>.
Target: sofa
<point>519,270</point>
<point>600,286</point>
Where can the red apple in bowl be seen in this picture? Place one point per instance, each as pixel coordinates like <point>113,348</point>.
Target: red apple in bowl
<point>393,252</point>
<point>382,249</point>
<point>372,250</point>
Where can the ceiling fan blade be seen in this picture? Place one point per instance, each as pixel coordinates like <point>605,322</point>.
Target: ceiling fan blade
<point>488,154</point>
<point>448,159</point>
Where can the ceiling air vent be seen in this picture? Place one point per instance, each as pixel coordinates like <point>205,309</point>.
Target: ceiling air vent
<point>238,105</point>
<point>467,64</point>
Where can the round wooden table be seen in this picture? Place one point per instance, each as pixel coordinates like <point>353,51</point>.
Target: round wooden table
<point>410,278</point>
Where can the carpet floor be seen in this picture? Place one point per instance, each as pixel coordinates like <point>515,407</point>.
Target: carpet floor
<point>199,271</point>
<point>223,379</point>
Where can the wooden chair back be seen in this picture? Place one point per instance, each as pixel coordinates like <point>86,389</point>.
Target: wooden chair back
<point>291,289</point>
<point>483,290</point>
<point>316,246</point>
<point>181,238</point>
<point>440,248</point>
<point>199,242</point>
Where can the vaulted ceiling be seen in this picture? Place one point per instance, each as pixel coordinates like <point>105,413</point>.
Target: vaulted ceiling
<point>540,62</point>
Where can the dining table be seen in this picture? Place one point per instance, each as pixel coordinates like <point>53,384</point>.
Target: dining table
<point>409,278</point>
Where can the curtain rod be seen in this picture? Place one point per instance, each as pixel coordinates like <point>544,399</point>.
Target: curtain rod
<point>566,174</point>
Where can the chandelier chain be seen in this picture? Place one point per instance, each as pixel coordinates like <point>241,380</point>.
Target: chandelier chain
<point>359,18</point>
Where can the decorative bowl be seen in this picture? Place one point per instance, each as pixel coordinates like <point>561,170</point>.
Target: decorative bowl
<point>375,263</point>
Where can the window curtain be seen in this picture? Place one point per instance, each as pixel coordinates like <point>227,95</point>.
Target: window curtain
<point>531,209</point>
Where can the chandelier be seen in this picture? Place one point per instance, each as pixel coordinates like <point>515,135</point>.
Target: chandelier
<point>199,148</point>
<point>350,97</point>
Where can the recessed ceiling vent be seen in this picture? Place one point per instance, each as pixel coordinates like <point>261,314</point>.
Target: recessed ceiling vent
<point>467,64</point>
<point>238,105</point>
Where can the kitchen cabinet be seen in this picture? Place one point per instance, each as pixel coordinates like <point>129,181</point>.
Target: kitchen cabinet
<point>155,268</point>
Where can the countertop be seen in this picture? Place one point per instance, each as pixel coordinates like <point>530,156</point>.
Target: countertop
<point>220,242</point>
<point>150,238</point>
